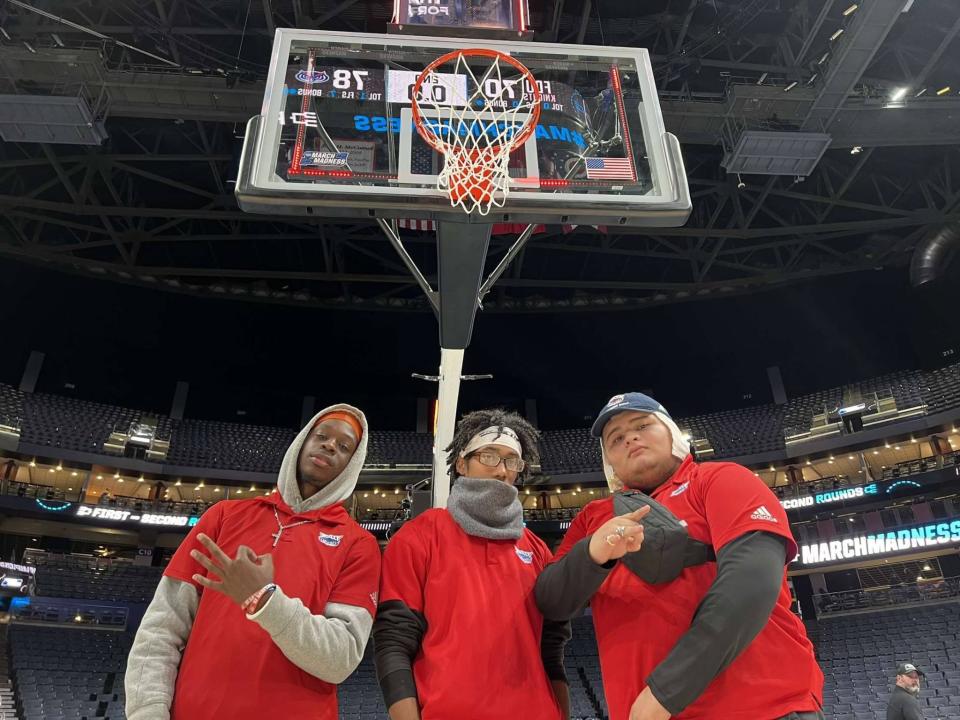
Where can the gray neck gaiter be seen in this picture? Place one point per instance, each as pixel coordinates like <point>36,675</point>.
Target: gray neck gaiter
<point>486,508</point>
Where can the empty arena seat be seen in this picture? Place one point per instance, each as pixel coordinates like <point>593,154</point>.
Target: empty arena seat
<point>68,674</point>
<point>859,655</point>
<point>89,578</point>
<point>61,422</point>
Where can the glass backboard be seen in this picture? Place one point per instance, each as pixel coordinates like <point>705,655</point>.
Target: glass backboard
<point>335,136</point>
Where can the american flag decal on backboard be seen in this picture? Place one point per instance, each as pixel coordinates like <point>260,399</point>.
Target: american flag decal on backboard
<point>608,168</point>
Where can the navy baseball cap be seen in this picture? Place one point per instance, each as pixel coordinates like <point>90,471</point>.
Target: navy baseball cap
<point>624,403</point>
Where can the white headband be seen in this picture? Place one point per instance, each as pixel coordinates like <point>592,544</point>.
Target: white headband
<point>494,436</point>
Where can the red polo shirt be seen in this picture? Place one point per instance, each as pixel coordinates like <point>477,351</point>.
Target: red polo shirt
<point>231,668</point>
<point>480,656</point>
<point>638,623</point>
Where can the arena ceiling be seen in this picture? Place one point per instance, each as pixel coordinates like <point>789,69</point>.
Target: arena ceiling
<point>153,205</point>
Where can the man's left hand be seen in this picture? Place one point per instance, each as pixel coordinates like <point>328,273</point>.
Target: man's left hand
<point>240,577</point>
<point>647,707</point>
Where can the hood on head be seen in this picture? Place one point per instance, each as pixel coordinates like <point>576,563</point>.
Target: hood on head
<point>680,448</point>
<point>338,489</point>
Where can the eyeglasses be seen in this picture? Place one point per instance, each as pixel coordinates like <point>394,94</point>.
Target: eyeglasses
<point>492,459</point>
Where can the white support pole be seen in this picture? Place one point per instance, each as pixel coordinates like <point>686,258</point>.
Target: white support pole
<point>451,367</point>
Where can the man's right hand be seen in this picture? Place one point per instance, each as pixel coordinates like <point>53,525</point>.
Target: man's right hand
<point>616,537</point>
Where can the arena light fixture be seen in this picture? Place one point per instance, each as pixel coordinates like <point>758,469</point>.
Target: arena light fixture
<point>33,463</point>
<point>216,489</point>
<point>850,10</point>
<point>898,94</point>
<point>140,479</point>
<point>762,78</point>
<point>178,483</point>
<point>59,467</point>
<point>790,87</point>
<point>99,477</point>
<point>920,92</point>
<point>943,90</point>
<point>823,58</point>
<point>836,34</point>
<point>6,35</point>
<point>51,470</point>
<point>812,78</point>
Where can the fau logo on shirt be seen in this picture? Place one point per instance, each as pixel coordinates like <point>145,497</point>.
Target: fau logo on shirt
<point>526,557</point>
<point>330,540</point>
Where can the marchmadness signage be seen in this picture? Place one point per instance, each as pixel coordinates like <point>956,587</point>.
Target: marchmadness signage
<point>932,535</point>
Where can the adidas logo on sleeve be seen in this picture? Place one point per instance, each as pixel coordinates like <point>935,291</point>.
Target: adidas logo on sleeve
<point>761,513</point>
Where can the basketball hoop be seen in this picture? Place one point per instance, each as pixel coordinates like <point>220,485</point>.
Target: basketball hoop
<point>475,117</point>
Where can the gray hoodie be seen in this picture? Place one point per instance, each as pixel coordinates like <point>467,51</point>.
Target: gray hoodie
<point>328,646</point>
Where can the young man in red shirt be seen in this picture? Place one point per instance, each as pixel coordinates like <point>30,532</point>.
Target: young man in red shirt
<point>458,633</point>
<point>268,603</point>
<point>691,609</point>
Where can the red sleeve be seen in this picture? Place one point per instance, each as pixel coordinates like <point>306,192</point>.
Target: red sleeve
<point>181,565</point>
<point>359,577</point>
<point>735,502</point>
<point>405,564</point>
<point>577,531</point>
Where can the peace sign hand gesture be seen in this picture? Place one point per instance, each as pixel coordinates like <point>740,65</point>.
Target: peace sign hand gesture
<point>240,577</point>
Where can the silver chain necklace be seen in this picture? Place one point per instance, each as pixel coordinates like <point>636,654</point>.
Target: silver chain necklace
<point>281,527</point>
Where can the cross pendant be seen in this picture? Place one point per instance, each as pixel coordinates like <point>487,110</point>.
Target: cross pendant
<point>276,537</point>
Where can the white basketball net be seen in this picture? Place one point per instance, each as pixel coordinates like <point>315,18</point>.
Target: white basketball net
<point>477,133</point>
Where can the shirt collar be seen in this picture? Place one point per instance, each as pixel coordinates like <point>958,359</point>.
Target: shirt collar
<point>679,477</point>
<point>333,513</point>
